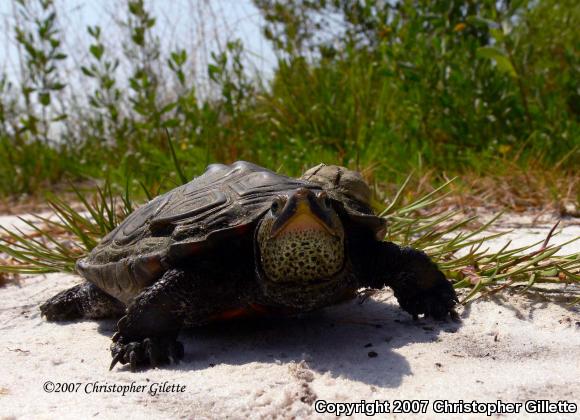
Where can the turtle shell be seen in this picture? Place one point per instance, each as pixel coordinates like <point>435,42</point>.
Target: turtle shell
<point>225,201</point>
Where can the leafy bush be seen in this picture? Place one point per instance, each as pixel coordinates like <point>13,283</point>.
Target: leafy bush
<point>443,85</point>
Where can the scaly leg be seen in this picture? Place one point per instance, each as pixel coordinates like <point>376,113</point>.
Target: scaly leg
<point>84,300</point>
<point>147,335</point>
<point>418,284</point>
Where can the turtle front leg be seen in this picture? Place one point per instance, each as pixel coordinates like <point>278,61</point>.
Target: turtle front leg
<point>147,334</point>
<point>419,286</point>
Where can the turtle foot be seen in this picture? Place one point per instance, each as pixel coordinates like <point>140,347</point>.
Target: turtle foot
<point>146,352</point>
<point>62,307</point>
<point>437,301</point>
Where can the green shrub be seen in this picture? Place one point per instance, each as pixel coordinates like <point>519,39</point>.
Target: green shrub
<point>443,85</point>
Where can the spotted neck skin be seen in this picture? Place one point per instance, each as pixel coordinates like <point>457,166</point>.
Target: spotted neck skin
<point>303,254</point>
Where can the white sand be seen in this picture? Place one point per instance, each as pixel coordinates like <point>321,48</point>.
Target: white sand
<point>511,349</point>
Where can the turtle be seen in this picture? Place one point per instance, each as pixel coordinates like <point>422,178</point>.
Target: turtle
<point>242,240</point>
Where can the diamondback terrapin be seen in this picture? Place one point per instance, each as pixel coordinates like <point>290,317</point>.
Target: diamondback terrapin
<point>241,239</point>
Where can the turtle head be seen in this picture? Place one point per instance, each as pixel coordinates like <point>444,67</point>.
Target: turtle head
<point>301,246</point>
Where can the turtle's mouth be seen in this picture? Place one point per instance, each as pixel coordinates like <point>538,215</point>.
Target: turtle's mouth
<point>302,213</point>
<point>299,222</point>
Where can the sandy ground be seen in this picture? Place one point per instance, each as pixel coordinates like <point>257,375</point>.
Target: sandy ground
<point>512,349</point>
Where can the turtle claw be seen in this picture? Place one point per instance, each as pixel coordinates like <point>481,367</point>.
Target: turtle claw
<point>435,305</point>
<point>133,361</point>
<point>454,315</point>
<point>436,302</point>
<point>431,304</point>
<point>115,360</point>
<point>151,351</point>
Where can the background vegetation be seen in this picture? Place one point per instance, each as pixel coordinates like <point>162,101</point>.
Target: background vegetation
<point>440,87</point>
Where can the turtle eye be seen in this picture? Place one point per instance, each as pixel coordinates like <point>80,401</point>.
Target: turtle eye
<point>324,200</point>
<point>277,205</point>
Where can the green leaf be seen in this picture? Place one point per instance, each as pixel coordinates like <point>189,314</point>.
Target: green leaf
<point>181,76</point>
<point>500,57</point>
<point>87,72</point>
<point>44,98</point>
<point>213,71</point>
<point>97,50</point>
<point>60,117</point>
<point>134,85</point>
<point>179,57</point>
<point>94,31</point>
<point>57,86</point>
<point>479,21</point>
<point>168,107</point>
<point>173,122</point>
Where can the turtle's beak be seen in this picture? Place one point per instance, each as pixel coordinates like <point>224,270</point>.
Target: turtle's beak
<point>303,211</point>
